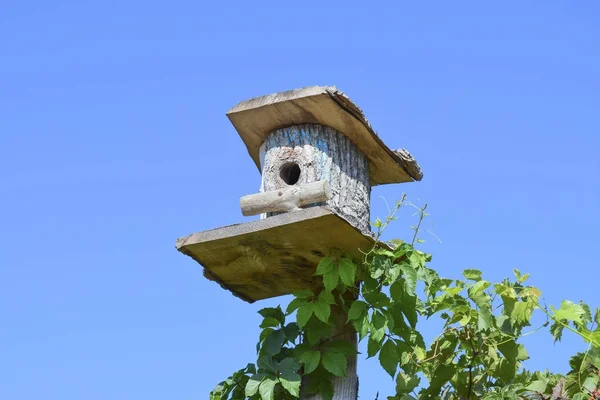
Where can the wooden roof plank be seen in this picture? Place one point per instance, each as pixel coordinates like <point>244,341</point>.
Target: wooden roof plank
<point>256,118</point>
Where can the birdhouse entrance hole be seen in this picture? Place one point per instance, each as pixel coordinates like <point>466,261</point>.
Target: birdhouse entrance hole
<point>290,173</point>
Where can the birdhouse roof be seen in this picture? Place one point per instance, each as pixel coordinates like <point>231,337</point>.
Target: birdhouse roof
<point>256,118</point>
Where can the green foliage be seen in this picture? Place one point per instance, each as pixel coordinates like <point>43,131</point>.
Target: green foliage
<point>477,355</point>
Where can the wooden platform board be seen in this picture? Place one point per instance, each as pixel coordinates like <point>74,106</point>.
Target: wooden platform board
<point>256,118</point>
<point>273,256</point>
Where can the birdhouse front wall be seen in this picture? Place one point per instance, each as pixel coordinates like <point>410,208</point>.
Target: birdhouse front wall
<point>303,154</point>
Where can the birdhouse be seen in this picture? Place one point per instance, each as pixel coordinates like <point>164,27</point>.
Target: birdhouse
<point>319,158</point>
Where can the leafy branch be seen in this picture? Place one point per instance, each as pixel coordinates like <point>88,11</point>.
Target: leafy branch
<point>383,296</point>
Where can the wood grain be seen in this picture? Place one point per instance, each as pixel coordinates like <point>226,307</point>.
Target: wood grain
<point>286,199</point>
<point>273,256</point>
<point>321,153</point>
<point>256,118</point>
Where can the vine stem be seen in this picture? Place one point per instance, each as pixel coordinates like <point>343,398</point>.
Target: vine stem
<point>421,217</point>
<point>591,341</point>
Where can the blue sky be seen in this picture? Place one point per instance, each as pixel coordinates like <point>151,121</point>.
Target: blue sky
<point>114,142</point>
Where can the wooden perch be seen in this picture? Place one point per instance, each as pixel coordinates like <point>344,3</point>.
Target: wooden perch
<point>285,200</point>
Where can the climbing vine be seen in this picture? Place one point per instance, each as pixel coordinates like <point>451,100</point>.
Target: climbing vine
<point>477,355</point>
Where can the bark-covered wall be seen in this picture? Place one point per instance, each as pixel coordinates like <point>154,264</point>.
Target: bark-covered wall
<point>320,153</point>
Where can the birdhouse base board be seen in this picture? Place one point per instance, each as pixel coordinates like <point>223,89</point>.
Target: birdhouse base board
<point>276,255</point>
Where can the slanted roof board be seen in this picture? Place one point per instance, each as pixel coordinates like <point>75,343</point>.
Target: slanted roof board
<point>256,118</point>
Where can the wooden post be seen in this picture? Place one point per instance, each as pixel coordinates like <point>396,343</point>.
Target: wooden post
<point>307,153</point>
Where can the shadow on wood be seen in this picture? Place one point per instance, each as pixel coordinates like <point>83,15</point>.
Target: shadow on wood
<point>274,256</point>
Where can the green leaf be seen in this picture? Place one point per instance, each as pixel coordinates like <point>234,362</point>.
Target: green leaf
<point>322,310</point>
<point>513,351</point>
<point>520,278</point>
<point>343,346</point>
<point>521,313</point>
<point>417,259</point>
<point>325,266</point>
<point>273,313</point>
<point>376,298</point>
<point>305,311</point>
<point>556,330</point>
<point>587,316</point>
<point>253,384</point>
<point>270,322</point>
<point>505,290</point>
<point>327,298</point>
<point>274,342</point>
<point>472,274</point>
<point>396,321</point>
<point>265,333</point>
<point>335,362</point>
<point>330,280</point>
<point>485,319</point>
<point>310,359</point>
<point>373,346</point>
<point>378,267</point>
<point>442,374</point>
<point>251,368</point>
<point>317,330</point>
<point>378,326</point>
<point>347,271</point>
<point>291,382</point>
<point>288,365</point>
<point>530,292</point>
<point>407,304</point>
<point>362,326</point>
<point>267,388</point>
<point>267,363</point>
<point>393,274</point>
<point>388,357</point>
<point>294,304</point>
<point>477,294</point>
<point>406,383</point>
<point>590,383</point>
<point>291,331</point>
<point>569,311</point>
<point>538,386</point>
<point>581,396</point>
<point>419,353</point>
<point>410,278</point>
<point>326,389</point>
<point>356,309</point>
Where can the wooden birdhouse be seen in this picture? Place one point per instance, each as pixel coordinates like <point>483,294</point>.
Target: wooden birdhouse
<point>319,158</point>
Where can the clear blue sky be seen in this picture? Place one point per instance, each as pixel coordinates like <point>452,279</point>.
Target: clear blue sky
<point>114,142</point>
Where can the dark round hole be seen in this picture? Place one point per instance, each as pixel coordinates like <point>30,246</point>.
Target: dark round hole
<point>290,173</point>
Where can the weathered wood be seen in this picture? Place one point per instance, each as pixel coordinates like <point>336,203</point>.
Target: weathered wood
<point>285,199</point>
<point>320,153</point>
<point>257,118</point>
<point>273,256</point>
